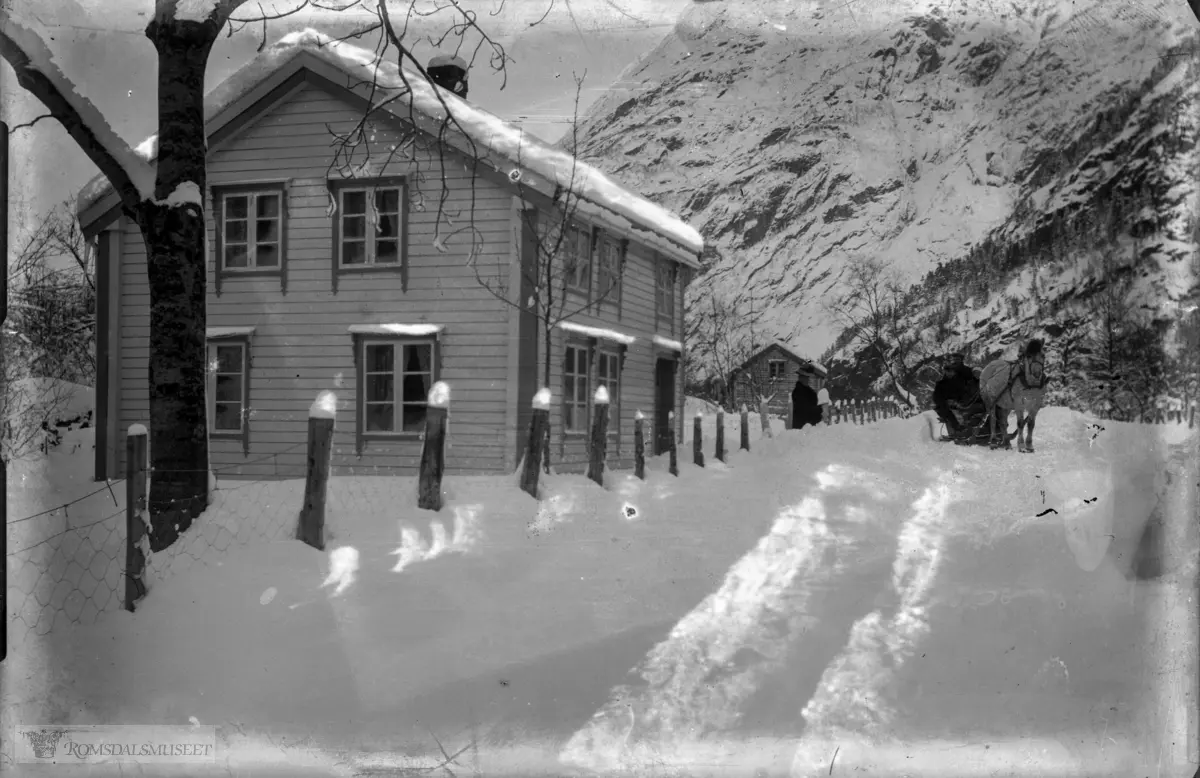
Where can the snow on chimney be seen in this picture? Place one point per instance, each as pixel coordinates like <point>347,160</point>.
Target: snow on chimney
<point>450,73</point>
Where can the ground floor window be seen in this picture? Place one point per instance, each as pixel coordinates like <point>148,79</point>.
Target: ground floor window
<point>394,382</point>
<point>576,400</point>
<point>228,386</point>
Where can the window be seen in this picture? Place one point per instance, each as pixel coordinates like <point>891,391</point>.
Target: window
<point>665,288</point>
<point>370,227</point>
<point>394,382</point>
<point>775,369</point>
<point>608,271</point>
<point>577,266</point>
<point>608,375</point>
<point>228,387</point>
<point>250,230</point>
<point>575,389</point>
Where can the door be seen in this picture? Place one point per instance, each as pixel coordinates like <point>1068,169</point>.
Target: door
<point>664,403</point>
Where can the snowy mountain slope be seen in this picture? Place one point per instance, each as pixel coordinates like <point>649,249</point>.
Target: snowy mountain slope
<point>796,135</point>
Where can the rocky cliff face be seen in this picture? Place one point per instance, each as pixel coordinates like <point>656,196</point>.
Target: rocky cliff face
<point>967,143</point>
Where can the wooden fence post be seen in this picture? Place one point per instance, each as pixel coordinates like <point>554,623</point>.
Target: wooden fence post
<point>837,412</point>
<point>674,466</point>
<point>720,451</point>
<point>433,448</point>
<point>1192,416</point>
<point>535,447</point>
<point>745,431</point>
<point>764,417</point>
<point>639,445</point>
<point>311,527</point>
<point>136,521</point>
<point>599,444</point>
<point>698,440</point>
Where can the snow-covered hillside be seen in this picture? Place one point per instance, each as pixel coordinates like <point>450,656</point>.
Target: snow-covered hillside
<point>797,135</point>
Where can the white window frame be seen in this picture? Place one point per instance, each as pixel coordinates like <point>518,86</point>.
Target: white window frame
<point>613,356</point>
<point>575,403</point>
<point>243,346</point>
<point>252,218</point>
<point>577,247</point>
<point>370,217</point>
<point>398,372</point>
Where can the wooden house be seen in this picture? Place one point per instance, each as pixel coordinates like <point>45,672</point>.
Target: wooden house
<point>775,371</point>
<point>355,275</point>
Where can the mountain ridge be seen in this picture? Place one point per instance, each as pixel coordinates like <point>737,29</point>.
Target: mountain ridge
<point>924,133</point>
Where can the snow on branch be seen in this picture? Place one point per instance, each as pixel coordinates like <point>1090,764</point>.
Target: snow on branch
<point>38,72</point>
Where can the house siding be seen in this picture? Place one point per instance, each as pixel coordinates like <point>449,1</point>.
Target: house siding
<point>635,316</point>
<point>301,344</point>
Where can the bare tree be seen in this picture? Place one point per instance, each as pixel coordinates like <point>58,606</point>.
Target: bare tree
<point>565,258</point>
<point>725,342</point>
<point>872,311</point>
<point>164,196</point>
<point>47,341</point>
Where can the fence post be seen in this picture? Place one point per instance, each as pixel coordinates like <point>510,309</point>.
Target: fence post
<point>1192,416</point>
<point>674,466</point>
<point>698,440</point>
<point>535,446</point>
<point>745,431</point>
<point>321,415</point>
<point>433,448</point>
<point>764,417</point>
<point>639,445</point>
<point>720,452</point>
<point>599,446</point>
<point>135,509</point>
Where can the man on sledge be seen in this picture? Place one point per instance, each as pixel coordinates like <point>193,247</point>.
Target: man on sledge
<point>956,396</point>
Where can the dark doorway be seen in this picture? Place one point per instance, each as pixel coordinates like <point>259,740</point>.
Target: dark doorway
<point>664,403</point>
<point>804,405</point>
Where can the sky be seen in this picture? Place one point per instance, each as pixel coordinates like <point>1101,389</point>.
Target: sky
<point>100,44</point>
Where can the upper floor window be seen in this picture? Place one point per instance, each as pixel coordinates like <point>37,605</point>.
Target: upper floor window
<point>577,263</point>
<point>665,291</point>
<point>608,270</point>
<point>251,227</point>
<point>369,226</point>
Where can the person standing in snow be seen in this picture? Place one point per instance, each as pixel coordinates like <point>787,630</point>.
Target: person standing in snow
<point>823,403</point>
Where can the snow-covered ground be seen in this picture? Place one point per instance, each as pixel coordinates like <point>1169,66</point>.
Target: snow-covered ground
<point>859,593</point>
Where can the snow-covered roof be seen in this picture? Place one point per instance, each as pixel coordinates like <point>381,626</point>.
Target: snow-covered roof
<point>526,153</point>
<point>817,366</point>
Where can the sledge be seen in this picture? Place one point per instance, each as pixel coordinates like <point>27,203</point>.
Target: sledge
<point>976,430</point>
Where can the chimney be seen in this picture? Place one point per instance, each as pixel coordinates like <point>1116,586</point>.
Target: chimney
<point>450,73</point>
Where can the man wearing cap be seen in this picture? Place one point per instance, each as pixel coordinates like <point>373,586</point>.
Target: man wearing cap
<point>958,387</point>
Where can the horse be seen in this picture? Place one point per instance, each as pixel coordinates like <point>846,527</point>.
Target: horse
<point>1018,385</point>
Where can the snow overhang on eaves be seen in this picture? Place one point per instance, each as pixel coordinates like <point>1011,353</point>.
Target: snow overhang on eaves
<point>538,164</point>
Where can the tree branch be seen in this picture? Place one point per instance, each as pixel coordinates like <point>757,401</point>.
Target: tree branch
<point>33,63</point>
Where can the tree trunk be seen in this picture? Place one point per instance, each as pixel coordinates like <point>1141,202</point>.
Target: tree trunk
<point>176,264</point>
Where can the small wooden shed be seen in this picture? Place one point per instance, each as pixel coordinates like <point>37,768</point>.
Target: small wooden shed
<point>774,371</point>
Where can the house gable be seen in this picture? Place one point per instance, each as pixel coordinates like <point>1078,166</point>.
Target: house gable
<point>306,68</point>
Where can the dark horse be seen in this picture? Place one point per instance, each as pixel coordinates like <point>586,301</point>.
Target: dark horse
<point>1019,385</point>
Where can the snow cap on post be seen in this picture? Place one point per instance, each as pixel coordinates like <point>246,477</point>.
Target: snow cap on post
<point>639,415</point>
<point>699,414</point>
<point>324,407</point>
<point>541,400</point>
<point>601,396</point>
<point>439,395</point>
<point>137,429</point>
